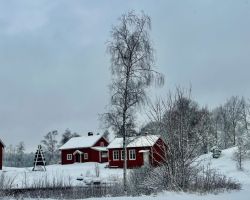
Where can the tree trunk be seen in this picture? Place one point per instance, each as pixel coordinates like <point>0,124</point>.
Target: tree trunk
<point>124,132</point>
<point>125,163</point>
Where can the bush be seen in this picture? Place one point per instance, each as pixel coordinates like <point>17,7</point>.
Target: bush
<point>210,180</point>
<point>202,180</point>
<point>137,181</point>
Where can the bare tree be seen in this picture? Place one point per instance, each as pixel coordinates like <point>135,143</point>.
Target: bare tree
<point>185,129</point>
<point>234,107</point>
<point>216,123</point>
<point>205,129</point>
<point>50,146</point>
<point>229,117</point>
<point>106,135</point>
<point>132,68</point>
<point>183,139</point>
<point>20,153</point>
<point>241,151</point>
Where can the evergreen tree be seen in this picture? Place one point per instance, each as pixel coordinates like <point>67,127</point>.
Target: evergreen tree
<point>67,135</point>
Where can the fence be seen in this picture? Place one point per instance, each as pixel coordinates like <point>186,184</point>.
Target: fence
<point>64,193</point>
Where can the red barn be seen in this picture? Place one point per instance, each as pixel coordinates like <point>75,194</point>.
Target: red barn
<point>141,150</point>
<point>91,148</point>
<point>1,153</point>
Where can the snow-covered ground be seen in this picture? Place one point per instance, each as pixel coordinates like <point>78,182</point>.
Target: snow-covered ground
<point>68,174</point>
<point>225,164</point>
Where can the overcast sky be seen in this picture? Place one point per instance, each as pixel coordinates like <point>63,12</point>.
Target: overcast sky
<point>54,70</point>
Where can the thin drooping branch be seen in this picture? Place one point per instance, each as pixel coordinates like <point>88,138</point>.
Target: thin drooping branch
<point>133,71</point>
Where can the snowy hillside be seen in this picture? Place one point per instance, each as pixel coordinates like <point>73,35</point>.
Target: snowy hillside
<point>225,164</point>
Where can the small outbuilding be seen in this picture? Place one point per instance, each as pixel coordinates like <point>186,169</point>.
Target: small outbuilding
<point>1,153</point>
<point>141,150</point>
<point>90,148</point>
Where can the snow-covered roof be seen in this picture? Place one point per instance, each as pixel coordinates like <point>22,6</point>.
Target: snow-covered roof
<point>81,142</point>
<point>138,141</point>
<point>99,148</point>
<point>143,151</point>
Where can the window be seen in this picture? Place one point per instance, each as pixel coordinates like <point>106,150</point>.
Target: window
<point>69,156</point>
<point>122,155</point>
<point>115,155</point>
<point>102,144</point>
<point>86,156</point>
<point>104,154</point>
<point>132,155</point>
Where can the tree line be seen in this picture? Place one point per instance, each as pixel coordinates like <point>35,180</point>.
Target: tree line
<point>223,126</point>
<point>15,156</point>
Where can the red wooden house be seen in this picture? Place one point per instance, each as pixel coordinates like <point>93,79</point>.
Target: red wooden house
<point>91,148</point>
<point>1,153</point>
<point>141,150</point>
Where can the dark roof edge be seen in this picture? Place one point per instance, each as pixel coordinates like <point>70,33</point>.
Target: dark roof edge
<point>2,143</point>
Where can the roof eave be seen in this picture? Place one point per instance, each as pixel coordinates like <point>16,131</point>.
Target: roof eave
<point>2,143</point>
<point>131,147</point>
<point>73,148</point>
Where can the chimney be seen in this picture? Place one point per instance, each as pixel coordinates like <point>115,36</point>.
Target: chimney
<point>90,134</point>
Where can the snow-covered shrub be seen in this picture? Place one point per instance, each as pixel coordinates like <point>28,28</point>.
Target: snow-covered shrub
<point>241,152</point>
<point>197,179</point>
<point>206,179</point>
<point>138,181</point>
<point>240,155</point>
<point>88,174</point>
<point>97,170</point>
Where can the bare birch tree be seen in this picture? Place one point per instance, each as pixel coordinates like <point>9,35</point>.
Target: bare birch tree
<point>50,145</point>
<point>228,118</point>
<point>132,69</point>
<point>186,131</point>
<point>234,107</point>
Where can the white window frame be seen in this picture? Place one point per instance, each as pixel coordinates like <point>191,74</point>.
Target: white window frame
<point>102,144</point>
<point>116,157</point>
<point>132,152</point>
<point>102,154</point>
<point>69,156</point>
<point>86,156</point>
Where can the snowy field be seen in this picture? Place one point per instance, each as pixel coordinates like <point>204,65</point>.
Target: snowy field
<point>67,174</point>
<point>87,170</point>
